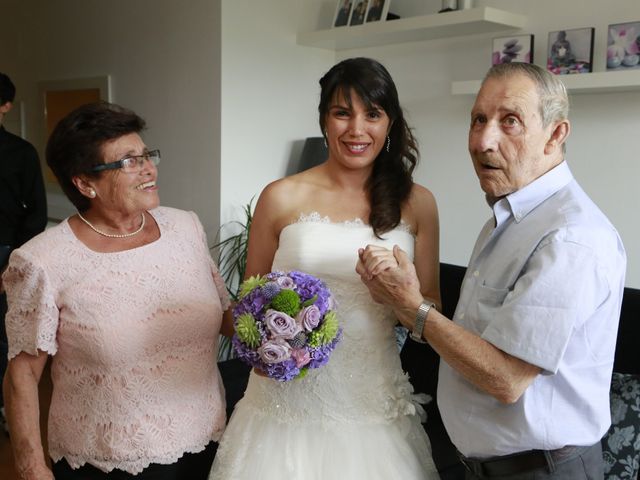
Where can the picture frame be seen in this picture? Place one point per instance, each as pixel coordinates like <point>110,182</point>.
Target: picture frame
<point>570,51</point>
<point>623,46</point>
<point>377,10</point>
<point>343,13</point>
<point>359,12</point>
<point>515,48</point>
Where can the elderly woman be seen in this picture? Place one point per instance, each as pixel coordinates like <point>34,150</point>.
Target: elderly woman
<point>125,298</point>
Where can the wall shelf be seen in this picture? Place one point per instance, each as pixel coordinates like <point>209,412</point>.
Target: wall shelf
<point>411,29</point>
<point>597,82</point>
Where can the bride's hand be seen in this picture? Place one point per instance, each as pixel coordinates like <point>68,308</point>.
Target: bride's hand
<point>374,260</point>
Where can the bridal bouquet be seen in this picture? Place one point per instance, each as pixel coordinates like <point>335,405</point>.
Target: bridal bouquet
<point>285,324</point>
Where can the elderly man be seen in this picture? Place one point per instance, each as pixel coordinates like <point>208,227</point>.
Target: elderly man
<point>524,382</point>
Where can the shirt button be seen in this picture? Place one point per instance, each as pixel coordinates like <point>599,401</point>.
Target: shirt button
<point>476,273</point>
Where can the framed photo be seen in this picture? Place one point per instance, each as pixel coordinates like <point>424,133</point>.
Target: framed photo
<point>377,10</point>
<point>570,51</point>
<point>623,46</point>
<point>517,48</point>
<point>359,12</point>
<point>343,13</point>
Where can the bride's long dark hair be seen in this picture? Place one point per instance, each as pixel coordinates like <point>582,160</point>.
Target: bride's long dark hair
<point>389,184</point>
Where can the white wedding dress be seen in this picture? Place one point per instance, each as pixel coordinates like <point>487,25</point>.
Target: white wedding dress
<point>355,417</point>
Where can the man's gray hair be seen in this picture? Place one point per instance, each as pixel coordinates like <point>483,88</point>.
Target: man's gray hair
<point>554,101</point>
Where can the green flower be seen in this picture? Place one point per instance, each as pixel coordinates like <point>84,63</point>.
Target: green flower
<point>303,373</point>
<point>327,331</point>
<point>287,301</point>
<point>247,330</point>
<point>251,283</point>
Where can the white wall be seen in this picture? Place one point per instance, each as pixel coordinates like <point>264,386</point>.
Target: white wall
<point>264,112</point>
<point>602,149</point>
<point>270,93</point>
<point>229,96</point>
<point>164,61</point>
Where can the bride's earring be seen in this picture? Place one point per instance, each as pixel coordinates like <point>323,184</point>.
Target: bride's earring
<point>324,138</point>
<point>388,143</point>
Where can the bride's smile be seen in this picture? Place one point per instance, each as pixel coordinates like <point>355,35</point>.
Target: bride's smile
<point>355,132</point>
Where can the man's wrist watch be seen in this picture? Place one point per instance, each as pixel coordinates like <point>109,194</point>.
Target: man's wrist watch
<point>421,317</point>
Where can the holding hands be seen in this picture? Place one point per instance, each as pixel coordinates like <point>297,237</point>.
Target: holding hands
<point>373,260</point>
<point>390,276</point>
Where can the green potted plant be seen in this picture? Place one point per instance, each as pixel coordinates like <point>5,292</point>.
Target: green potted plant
<point>231,258</point>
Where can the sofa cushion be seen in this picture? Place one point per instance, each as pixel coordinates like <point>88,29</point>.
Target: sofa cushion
<point>621,444</point>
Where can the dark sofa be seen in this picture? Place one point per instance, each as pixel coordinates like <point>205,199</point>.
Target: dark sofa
<point>421,362</point>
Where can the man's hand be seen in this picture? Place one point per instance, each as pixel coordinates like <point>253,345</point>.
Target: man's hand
<point>393,282</point>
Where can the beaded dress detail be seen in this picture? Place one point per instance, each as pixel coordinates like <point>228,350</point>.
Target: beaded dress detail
<point>353,418</point>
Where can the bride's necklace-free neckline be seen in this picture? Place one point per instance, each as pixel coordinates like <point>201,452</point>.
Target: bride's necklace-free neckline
<point>114,235</point>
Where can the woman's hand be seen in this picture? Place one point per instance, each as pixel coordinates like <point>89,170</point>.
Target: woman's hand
<point>23,414</point>
<point>373,260</point>
<point>39,472</point>
<point>259,372</point>
<point>395,282</point>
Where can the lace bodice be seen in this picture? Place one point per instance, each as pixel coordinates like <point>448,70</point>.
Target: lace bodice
<point>133,336</point>
<point>363,381</point>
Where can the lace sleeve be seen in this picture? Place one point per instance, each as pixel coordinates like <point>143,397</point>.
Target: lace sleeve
<point>219,282</point>
<point>32,318</point>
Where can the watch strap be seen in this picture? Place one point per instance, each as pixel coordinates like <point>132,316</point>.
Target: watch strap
<point>421,317</point>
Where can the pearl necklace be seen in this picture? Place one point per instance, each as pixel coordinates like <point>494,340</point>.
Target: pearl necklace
<point>113,235</point>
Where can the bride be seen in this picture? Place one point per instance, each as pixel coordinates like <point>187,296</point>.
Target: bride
<point>355,417</point>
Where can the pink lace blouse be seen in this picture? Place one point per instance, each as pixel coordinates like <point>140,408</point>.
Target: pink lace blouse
<point>134,337</point>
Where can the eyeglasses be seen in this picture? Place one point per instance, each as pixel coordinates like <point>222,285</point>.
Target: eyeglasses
<point>130,164</point>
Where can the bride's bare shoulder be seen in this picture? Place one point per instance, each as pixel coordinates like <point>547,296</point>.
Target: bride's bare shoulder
<point>287,197</point>
<point>294,187</point>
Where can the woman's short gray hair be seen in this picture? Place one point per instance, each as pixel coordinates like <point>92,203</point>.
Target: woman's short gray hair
<point>554,101</point>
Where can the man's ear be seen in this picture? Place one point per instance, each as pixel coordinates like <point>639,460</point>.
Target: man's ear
<point>559,134</point>
<point>5,107</point>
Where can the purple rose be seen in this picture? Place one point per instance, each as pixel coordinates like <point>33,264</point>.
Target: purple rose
<point>274,351</point>
<point>285,282</point>
<point>309,317</point>
<point>301,356</point>
<point>281,325</point>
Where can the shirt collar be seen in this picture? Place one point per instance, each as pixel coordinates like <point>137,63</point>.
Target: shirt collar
<point>521,202</point>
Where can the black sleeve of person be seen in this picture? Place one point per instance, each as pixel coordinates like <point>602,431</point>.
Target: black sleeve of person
<point>34,200</point>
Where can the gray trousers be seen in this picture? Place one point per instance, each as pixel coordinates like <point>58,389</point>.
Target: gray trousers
<point>585,464</point>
